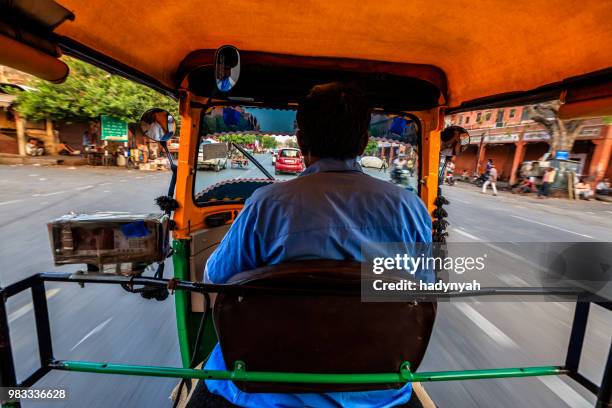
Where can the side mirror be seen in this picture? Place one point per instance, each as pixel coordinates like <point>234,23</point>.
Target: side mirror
<point>455,139</point>
<point>158,124</point>
<point>227,67</point>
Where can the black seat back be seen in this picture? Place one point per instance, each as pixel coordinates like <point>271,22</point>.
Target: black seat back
<point>318,333</point>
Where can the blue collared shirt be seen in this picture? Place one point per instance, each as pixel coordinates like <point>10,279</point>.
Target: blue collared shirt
<point>327,212</point>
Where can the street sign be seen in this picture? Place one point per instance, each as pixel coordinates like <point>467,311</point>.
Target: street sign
<point>114,129</point>
<point>562,155</point>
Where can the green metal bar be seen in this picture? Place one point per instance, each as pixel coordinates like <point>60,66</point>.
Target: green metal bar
<point>180,262</point>
<point>240,373</point>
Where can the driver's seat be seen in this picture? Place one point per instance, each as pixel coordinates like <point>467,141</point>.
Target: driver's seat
<point>318,333</point>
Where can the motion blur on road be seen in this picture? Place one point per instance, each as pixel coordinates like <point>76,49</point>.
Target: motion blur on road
<point>107,324</point>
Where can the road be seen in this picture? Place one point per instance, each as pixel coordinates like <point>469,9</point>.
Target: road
<point>106,324</point>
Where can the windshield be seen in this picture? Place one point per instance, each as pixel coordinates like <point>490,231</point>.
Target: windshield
<point>225,174</point>
<point>289,153</point>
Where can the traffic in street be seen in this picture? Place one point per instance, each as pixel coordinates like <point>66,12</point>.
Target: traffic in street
<point>105,323</point>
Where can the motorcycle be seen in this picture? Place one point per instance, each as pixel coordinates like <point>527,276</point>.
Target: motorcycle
<point>399,175</point>
<point>449,180</point>
<point>480,180</point>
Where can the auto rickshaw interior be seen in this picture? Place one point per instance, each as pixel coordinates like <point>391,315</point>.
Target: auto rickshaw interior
<point>418,93</point>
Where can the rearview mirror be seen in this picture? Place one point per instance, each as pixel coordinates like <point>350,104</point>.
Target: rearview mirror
<point>455,139</point>
<point>158,124</point>
<point>227,67</point>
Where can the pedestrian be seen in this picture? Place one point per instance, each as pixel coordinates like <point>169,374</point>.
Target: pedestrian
<point>86,139</point>
<point>492,180</point>
<point>547,180</point>
<point>384,165</point>
<point>603,187</point>
<point>526,187</point>
<point>583,190</point>
<point>34,148</point>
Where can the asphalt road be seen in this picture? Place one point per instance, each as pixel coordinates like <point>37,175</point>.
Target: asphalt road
<point>107,324</point>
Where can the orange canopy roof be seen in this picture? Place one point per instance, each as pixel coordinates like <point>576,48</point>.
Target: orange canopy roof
<point>485,47</point>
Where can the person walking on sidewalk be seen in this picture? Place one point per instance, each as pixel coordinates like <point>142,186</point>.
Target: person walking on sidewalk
<point>547,180</point>
<point>492,180</point>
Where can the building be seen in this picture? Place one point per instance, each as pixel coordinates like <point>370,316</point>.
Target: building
<point>509,137</point>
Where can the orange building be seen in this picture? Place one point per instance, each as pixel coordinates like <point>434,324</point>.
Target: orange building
<point>511,137</point>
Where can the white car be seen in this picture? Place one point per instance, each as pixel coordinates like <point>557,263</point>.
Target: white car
<point>371,161</point>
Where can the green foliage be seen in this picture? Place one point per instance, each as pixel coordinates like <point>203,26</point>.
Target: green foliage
<point>268,142</point>
<point>371,149</point>
<point>238,138</point>
<point>89,92</point>
<point>291,143</point>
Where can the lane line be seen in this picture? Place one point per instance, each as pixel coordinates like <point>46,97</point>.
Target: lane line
<point>566,393</point>
<point>10,202</point>
<point>461,201</point>
<point>486,326</point>
<point>52,194</point>
<point>466,234</point>
<point>516,256</point>
<point>26,308</point>
<point>552,226</point>
<point>84,188</point>
<point>92,332</point>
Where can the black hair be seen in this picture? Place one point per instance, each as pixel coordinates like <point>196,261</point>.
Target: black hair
<point>333,121</point>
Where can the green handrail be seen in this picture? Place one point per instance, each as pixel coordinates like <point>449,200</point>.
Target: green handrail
<point>241,374</point>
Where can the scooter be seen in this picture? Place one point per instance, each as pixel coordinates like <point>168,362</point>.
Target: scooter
<point>399,175</point>
<point>479,181</point>
<point>449,180</point>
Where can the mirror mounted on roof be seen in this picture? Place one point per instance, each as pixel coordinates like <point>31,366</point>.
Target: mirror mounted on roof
<point>227,68</point>
<point>454,140</point>
<point>158,124</point>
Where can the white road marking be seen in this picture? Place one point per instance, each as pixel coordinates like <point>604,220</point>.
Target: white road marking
<point>84,188</point>
<point>105,184</point>
<point>466,234</point>
<point>106,191</point>
<point>486,326</point>
<point>33,175</point>
<point>461,201</point>
<point>608,211</point>
<point>513,281</point>
<point>9,202</point>
<point>516,256</point>
<point>26,308</point>
<point>92,332</point>
<point>566,393</point>
<point>552,226</point>
<point>562,306</point>
<point>54,193</point>
<point>42,179</point>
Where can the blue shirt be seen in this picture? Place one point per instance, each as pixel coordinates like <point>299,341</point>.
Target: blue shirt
<point>327,212</point>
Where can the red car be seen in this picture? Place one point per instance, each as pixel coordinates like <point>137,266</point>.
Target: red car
<point>289,161</point>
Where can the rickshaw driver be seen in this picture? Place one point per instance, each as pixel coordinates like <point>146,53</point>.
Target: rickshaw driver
<point>325,213</point>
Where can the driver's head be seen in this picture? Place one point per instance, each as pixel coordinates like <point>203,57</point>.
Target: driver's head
<point>333,122</point>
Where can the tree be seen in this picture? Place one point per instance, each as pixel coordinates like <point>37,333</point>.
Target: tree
<point>89,92</point>
<point>371,149</point>
<point>562,132</point>
<point>291,143</point>
<point>268,142</point>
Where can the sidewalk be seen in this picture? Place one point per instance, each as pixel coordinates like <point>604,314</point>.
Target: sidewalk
<point>47,160</point>
<point>530,199</point>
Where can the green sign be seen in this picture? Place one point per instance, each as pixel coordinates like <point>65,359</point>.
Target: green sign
<point>114,129</point>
